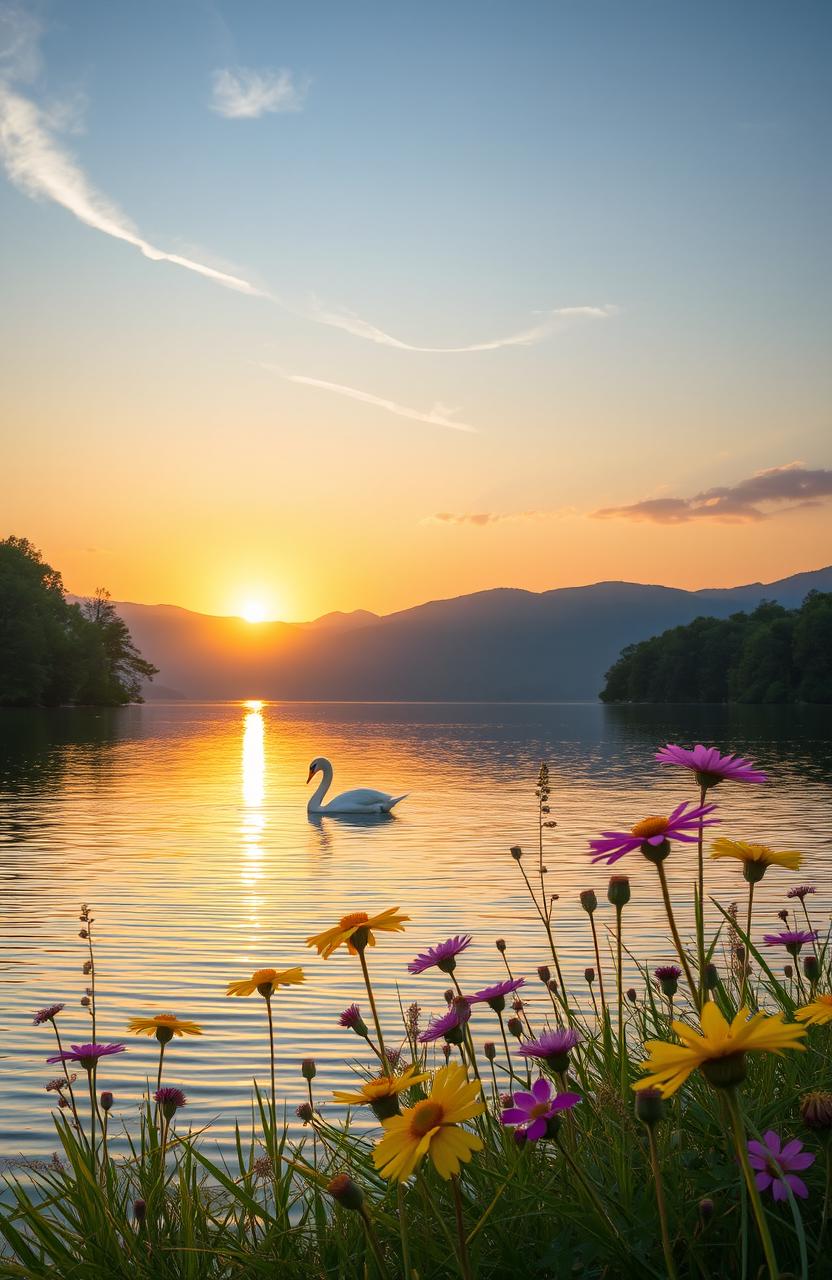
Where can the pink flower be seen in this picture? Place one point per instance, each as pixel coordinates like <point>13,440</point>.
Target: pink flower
<point>653,832</point>
<point>534,1110</point>
<point>709,766</point>
<point>776,1167</point>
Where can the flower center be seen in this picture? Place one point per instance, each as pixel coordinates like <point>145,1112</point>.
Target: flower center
<point>827,1000</point>
<point>167,1018</point>
<point>426,1116</point>
<point>380,1088</point>
<point>353,920</point>
<point>539,1109</point>
<point>650,827</point>
<point>263,975</point>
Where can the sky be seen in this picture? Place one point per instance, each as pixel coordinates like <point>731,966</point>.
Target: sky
<point>330,306</point>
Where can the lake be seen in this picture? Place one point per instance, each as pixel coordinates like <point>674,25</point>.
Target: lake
<point>185,827</point>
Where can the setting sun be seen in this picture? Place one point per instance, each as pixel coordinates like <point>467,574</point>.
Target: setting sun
<point>253,611</point>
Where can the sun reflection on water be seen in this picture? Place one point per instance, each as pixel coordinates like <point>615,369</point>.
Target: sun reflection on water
<point>254,790</point>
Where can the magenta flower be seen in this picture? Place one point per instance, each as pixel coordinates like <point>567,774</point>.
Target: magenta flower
<point>776,1167</point>
<point>552,1047</point>
<point>352,1019</point>
<point>496,995</point>
<point>533,1111</point>
<point>87,1054</point>
<point>442,956</point>
<point>709,766</point>
<point>653,832</point>
<point>170,1096</point>
<point>46,1015</point>
<point>450,1024</point>
<point>791,939</point>
<point>800,891</point>
<point>668,972</point>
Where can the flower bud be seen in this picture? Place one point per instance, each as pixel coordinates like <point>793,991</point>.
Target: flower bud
<point>816,1111</point>
<point>516,852</point>
<point>85,1002</point>
<point>308,1069</point>
<point>589,975</point>
<point>450,995</point>
<point>811,967</point>
<point>711,977</point>
<point>446,1050</point>
<point>346,1192</point>
<point>490,1050</point>
<point>139,1210</point>
<point>783,915</point>
<point>553,986</point>
<point>106,1100</point>
<point>618,891</point>
<point>649,1106</point>
<point>82,933</point>
<point>706,1209</point>
<point>632,995</point>
<point>589,901</point>
<point>515,1026</point>
<point>788,970</point>
<point>500,944</point>
<point>86,967</point>
<point>544,973</point>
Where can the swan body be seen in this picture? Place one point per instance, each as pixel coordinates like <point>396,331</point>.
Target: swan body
<point>361,800</point>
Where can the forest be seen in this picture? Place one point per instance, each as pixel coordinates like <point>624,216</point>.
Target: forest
<point>772,655</point>
<point>54,652</point>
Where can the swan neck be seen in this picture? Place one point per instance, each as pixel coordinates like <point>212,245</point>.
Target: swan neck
<point>325,783</point>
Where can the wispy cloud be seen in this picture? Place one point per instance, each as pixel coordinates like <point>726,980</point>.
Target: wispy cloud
<point>438,416</point>
<point>243,94</point>
<point>482,519</point>
<point>552,321</point>
<point>43,170</point>
<point>761,496</point>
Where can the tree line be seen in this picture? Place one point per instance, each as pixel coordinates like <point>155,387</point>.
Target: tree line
<point>773,655</point>
<point>53,652</point>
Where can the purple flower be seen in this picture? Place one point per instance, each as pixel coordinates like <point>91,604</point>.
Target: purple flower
<point>552,1047</point>
<point>668,972</point>
<point>87,1054</point>
<point>709,766</point>
<point>450,1024</point>
<point>653,831</point>
<point>800,891</point>
<point>442,956</point>
<point>352,1019</point>
<point>791,939</point>
<point>534,1110</point>
<point>170,1096</point>
<point>496,995</point>
<point>46,1015</point>
<point>776,1167</point>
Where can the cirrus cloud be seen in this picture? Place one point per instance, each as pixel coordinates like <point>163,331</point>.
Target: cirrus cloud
<point>761,496</point>
<point>244,94</point>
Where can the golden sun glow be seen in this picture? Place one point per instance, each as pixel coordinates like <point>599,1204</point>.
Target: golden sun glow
<point>253,611</point>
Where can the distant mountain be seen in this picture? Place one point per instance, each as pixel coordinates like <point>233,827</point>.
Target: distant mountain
<point>503,645</point>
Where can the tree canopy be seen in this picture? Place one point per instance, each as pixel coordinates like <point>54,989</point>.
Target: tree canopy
<point>53,652</point>
<point>773,655</point>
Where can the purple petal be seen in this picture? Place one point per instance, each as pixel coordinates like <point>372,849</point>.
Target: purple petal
<point>790,1149</point>
<point>757,1149</point>
<point>757,1162</point>
<point>524,1100</point>
<point>537,1129</point>
<point>801,1161</point>
<point>772,1141</point>
<point>542,1089</point>
<point>564,1100</point>
<point>797,1185</point>
<point>513,1115</point>
<point>778,1190</point>
<point>762,1181</point>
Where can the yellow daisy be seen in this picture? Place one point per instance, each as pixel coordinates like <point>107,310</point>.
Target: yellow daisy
<point>430,1128</point>
<point>358,922</point>
<point>669,1065</point>
<point>382,1087</point>
<point>817,1012</point>
<point>164,1022</point>
<point>745,851</point>
<point>265,981</point>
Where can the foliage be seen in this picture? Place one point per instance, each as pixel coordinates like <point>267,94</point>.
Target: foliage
<point>53,652</point>
<point>773,655</point>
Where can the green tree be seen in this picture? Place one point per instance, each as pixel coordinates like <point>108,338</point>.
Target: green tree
<point>114,670</point>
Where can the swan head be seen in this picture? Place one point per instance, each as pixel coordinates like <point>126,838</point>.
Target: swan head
<point>316,766</point>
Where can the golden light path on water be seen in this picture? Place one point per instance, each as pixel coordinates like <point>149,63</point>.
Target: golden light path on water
<point>185,827</point>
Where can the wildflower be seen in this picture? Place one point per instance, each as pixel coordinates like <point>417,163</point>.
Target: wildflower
<point>552,1047</point>
<point>776,1167</point>
<point>783,915</point>
<point>811,967</point>
<point>442,956</point>
<point>266,981</point>
<point>500,944</point>
<point>351,1018</point>
<point>756,858</point>
<point>711,977</point>
<point>516,852</point>
<point>652,835</point>
<point>816,1111</point>
<point>381,1094</point>
<point>263,1167</point>
<point>411,1020</point>
<point>719,1051</point>
<point>393,1056</point>
<point>709,766</point>
<point>431,1128</point>
<point>817,1013</point>
<point>649,1106</point>
<point>706,1209</point>
<point>490,1050</point>
<point>304,1112</point>
<point>356,930</point>
<point>788,971</point>
<point>308,1069</point>
<point>618,891</point>
<point>47,1015</point>
<point>170,1100</point>
<point>632,995</point>
<point>589,976</point>
<point>800,891</point>
<point>87,1054</point>
<point>450,1024</point>
<point>495,997</point>
<point>791,939</point>
<point>538,1111</point>
<point>589,901</point>
<point>346,1192</point>
<point>106,1100</point>
<point>668,976</point>
<point>515,1027</point>
<point>164,1026</point>
<point>544,973</point>
<point>59,1083</point>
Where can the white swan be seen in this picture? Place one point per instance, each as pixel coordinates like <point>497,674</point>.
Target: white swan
<point>362,800</point>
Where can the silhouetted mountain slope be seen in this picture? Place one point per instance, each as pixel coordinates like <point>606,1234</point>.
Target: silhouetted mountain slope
<point>505,645</point>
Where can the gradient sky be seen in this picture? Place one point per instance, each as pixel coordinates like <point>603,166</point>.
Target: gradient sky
<point>626,205</point>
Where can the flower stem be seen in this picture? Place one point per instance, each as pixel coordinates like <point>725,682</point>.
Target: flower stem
<point>383,1052</point>
<point>372,1241</point>
<point>747,954</point>
<point>68,1081</point>
<point>677,941</point>
<point>587,1186</point>
<point>512,1073</point>
<point>700,918</point>
<point>464,1264</point>
<point>598,964</point>
<point>738,1131</point>
<point>660,1203</point>
<point>271,1063</point>
<point>619,956</point>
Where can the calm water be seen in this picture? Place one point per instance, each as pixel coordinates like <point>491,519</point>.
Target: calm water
<point>185,827</point>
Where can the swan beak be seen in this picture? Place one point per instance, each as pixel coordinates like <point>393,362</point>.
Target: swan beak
<point>310,777</point>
